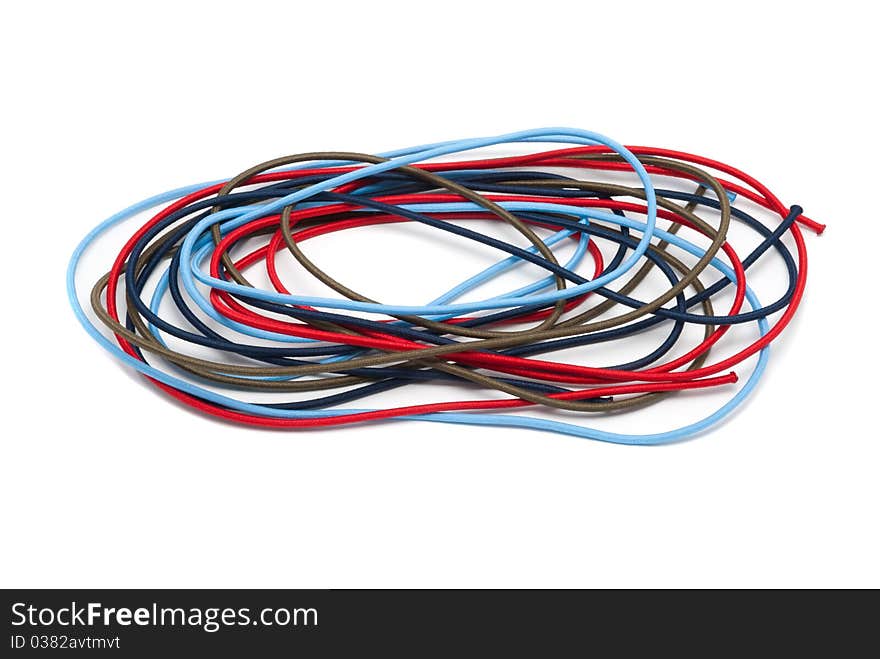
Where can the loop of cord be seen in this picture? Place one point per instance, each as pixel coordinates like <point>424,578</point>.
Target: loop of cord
<point>184,283</point>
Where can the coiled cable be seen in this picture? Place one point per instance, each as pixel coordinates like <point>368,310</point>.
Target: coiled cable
<point>280,342</point>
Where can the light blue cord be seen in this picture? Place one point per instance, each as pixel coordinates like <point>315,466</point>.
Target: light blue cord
<point>439,306</point>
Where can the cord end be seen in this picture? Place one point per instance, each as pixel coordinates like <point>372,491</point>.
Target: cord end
<point>816,227</point>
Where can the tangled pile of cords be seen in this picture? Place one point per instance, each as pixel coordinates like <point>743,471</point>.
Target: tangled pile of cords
<point>320,354</point>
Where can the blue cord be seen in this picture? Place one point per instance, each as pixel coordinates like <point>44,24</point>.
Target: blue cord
<point>196,246</point>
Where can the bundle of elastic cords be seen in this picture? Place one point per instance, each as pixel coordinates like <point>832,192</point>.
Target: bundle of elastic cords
<point>317,355</point>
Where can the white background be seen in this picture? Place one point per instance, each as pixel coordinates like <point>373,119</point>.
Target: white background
<point>104,483</point>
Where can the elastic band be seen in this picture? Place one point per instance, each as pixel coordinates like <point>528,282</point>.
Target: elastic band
<point>318,344</point>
